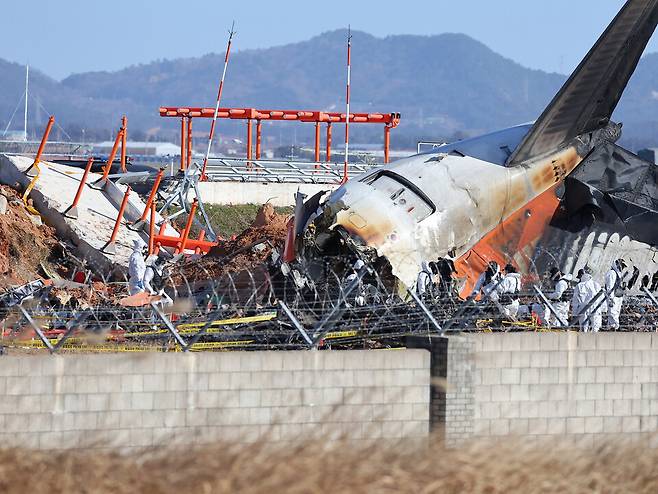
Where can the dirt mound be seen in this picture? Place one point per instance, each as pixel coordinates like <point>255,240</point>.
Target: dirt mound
<point>247,251</point>
<point>267,217</point>
<point>24,244</point>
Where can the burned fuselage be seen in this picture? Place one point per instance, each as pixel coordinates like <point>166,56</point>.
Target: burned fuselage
<point>441,204</point>
<point>436,205</point>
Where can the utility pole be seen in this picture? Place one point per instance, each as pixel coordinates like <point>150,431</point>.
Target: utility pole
<point>347,102</point>
<point>27,84</point>
<point>219,98</point>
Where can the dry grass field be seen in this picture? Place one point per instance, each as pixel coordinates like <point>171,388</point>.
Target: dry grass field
<point>314,467</point>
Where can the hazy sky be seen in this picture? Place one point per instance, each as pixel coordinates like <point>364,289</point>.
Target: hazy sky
<point>62,37</point>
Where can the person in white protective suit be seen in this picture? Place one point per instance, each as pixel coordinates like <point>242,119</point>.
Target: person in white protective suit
<point>358,266</point>
<point>424,280</point>
<point>584,293</point>
<point>154,282</point>
<point>507,292</point>
<point>560,299</point>
<point>615,285</point>
<point>137,267</point>
<point>357,293</point>
<point>488,281</point>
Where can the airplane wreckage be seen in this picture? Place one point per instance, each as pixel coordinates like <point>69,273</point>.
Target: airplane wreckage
<point>558,192</point>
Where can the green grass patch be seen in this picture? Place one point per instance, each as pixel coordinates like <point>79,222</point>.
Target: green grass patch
<point>233,220</point>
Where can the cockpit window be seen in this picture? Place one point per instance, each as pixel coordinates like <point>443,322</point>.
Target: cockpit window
<point>403,193</point>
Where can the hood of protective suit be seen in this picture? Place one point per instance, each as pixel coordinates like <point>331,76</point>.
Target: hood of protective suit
<point>138,245</point>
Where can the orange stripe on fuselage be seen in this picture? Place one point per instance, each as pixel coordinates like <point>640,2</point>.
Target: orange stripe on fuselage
<point>509,241</point>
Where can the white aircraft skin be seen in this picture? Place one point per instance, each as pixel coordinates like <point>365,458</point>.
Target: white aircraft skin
<point>470,197</point>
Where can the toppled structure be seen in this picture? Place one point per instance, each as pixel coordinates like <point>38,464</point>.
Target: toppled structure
<point>54,192</point>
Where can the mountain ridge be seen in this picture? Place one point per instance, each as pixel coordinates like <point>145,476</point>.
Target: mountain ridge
<point>443,85</point>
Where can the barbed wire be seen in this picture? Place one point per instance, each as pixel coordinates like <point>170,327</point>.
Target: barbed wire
<point>270,307</point>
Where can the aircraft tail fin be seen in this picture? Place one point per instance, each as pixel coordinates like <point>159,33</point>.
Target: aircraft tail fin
<point>589,97</point>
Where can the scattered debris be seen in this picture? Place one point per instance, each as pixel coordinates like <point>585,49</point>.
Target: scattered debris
<point>247,251</point>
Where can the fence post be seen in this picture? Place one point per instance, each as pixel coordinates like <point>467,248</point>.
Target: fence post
<point>550,306</point>
<point>72,210</point>
<point>36,329</point>
<point>170,327</point>
<point>110,247</point>
<point>296,323</point>
<point>427,312</point>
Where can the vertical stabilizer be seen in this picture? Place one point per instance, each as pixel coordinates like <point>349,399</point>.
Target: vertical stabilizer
<point>587,100</point>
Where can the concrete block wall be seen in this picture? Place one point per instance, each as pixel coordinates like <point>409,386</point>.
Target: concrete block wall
<point>142,400</point>
<point>583,385</point>
<point>452,394</point>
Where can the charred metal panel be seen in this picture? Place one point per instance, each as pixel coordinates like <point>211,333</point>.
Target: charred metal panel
<point>587,100</point>
<point>617,188</point>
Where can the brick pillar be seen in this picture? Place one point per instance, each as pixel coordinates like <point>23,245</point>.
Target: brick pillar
<point>452,408</point>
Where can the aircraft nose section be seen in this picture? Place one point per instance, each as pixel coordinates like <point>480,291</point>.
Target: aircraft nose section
<point>368,214</point>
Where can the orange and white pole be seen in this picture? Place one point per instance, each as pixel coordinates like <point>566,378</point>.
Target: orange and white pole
<point>347,102</point>
<point>219,99</point>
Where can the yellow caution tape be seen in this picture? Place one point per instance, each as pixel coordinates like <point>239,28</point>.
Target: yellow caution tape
<point>228,322</point>
<point>192,328</point>
<point>341,334</point>
<point>217,345</point>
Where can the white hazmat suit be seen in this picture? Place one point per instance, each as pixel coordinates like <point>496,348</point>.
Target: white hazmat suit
<point>613,289</point>
<point>583,294</point>
<point>487,282</point>
<point>424,281</point>
<point>357,294</point>
<point>560,301</point>
<point>150,273</point>
<point>136,268</point>
<point>507,293</point>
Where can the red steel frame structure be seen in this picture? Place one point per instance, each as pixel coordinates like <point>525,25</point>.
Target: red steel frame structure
<point>389,120</point>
